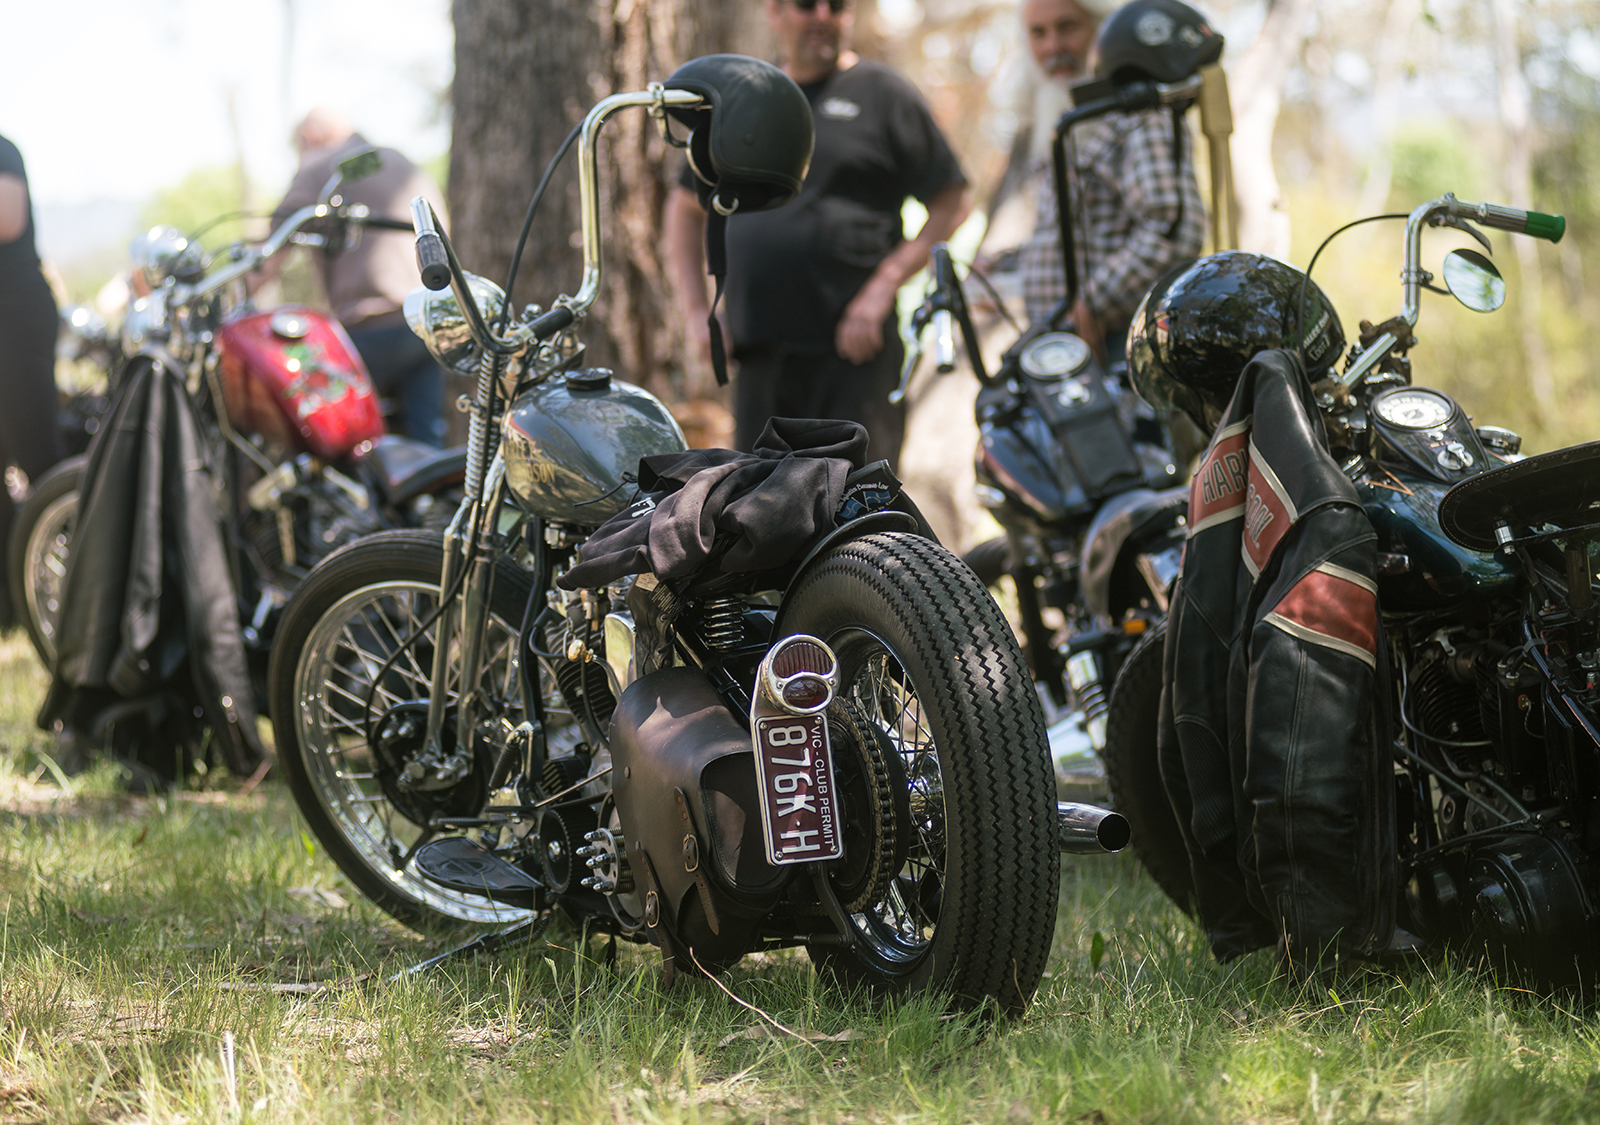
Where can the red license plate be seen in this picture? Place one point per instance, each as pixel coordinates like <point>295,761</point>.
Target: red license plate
<point>794,773</point>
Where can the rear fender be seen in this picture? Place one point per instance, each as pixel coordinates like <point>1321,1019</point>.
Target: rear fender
<point>1126,525</point>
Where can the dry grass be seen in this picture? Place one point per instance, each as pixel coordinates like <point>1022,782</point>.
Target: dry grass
<point>196,959</point>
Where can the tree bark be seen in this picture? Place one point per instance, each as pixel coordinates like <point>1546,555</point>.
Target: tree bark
<point>1256,82</point>
<point>526,73</point>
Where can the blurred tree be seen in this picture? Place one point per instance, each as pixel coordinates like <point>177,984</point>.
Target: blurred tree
<point>526,73</point>
<point>1256,81</point>
<point>200,197</point>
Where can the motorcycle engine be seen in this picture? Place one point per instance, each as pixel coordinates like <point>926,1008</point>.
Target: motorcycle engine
<point>1515,888</point>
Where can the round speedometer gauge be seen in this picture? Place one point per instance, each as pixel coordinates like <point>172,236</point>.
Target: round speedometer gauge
<point>1414,408</point>
<point>1055,355</point>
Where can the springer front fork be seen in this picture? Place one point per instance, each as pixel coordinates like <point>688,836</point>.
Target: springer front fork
<point>469,551</point>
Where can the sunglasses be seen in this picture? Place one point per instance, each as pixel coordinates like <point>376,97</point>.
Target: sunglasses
<point>834,6</point>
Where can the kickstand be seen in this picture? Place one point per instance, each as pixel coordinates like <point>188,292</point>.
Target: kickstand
<point>519,933</point>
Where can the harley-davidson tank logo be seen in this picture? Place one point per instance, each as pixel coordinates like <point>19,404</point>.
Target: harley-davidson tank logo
<point>528,465</point>
<point>1217,492</point>
<point>317,383</point>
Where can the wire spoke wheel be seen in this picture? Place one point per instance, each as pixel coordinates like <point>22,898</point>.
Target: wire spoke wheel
<point>900,925</point>
<point>345,665</point>
<point>928,662</point>
<point>40,539</point>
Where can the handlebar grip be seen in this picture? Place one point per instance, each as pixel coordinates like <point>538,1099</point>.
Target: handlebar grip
<point>432,260</point>
<point>1551,228</point>
<point>543,327</point>
<point>1548,227</point>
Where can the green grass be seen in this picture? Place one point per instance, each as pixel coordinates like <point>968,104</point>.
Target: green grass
<point>145,946</point>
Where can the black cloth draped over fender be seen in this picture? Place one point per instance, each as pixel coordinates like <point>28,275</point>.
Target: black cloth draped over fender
<point>149,626</point>
<point>771,504</point>
<point>1274,718</point>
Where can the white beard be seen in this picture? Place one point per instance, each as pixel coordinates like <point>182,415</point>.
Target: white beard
<point>1051,98</point>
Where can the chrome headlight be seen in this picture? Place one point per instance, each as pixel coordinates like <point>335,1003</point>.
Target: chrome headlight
<point>436,317</point>
<point>146,321</point>
<point>154,255</point>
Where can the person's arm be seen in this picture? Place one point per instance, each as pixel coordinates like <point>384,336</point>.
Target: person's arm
<point>685,237</point>
<point>859,336</point>
<point>13,207</point>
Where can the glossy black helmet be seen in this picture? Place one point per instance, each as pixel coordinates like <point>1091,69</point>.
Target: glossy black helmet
<point>1200,324</point>
<point>1155,41</point>
<point>752,147</point>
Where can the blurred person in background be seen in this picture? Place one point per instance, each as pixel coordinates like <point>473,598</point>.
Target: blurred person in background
<point>812,285</point>
<point>367,285</point>
<point>29,437</point>
<point>1138,206</point>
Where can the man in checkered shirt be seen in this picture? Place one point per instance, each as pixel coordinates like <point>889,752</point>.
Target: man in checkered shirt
<point>1138,211</point>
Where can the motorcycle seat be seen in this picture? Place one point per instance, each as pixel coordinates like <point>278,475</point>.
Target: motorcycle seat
<point>404,469</point>
<point>1561,487</point>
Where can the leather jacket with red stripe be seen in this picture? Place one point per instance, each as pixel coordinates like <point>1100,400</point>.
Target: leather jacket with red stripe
<point>1273,743</point>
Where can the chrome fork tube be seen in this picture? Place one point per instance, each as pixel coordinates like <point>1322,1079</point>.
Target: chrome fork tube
<point>459,538</point>
<point>445,628</point>
<point>475,606</point>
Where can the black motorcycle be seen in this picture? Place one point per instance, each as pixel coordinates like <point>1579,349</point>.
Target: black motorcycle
<point>1490,634</point>
<point>840,750</point>
<point>1078,474</point>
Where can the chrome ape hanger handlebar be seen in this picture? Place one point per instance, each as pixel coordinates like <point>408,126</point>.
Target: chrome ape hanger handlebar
<point>437,260</point>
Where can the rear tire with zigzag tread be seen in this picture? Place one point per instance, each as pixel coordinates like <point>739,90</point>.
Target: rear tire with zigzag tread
<point>925,653</point>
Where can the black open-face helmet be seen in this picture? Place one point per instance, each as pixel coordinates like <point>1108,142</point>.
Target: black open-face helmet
<point>1201,323</point>
<point>1154,41</point>
<point>752,146</point>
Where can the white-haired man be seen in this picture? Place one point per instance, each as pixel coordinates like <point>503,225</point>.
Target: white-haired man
<point>1137,205</point>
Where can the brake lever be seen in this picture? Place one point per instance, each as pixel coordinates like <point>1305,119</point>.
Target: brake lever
<point>912,338</point>
<point>1461,224</point>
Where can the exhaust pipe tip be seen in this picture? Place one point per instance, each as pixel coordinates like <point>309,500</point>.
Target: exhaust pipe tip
<point>1090,829</point>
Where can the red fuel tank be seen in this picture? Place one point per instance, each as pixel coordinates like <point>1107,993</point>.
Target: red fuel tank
<point>292,376</point>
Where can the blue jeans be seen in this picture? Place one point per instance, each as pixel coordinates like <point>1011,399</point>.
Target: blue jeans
<point>404,370</point>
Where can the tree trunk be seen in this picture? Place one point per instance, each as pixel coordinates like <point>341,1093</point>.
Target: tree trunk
<point>526,73</point>
<point>1256,82</point>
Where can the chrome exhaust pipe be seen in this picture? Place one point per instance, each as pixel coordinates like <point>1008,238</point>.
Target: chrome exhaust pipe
<point>1090,829</point>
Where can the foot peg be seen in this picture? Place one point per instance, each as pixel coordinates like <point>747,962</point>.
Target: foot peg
<point>458,864</point>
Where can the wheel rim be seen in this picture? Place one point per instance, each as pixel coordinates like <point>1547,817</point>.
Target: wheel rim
<point>46,568</point>
<point>333,678</point>
<point>898,930</point>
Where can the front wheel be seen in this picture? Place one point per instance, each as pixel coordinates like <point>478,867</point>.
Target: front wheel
<point>329,687</point>
<point>927,659</point>
<point>37,553</point>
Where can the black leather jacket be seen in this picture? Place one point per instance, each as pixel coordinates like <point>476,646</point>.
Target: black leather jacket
<point>1274,740</point>
<point>149,641</point>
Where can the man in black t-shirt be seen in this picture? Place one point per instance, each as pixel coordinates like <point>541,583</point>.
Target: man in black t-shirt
<point>811,285</point>
<point>29,438</point>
